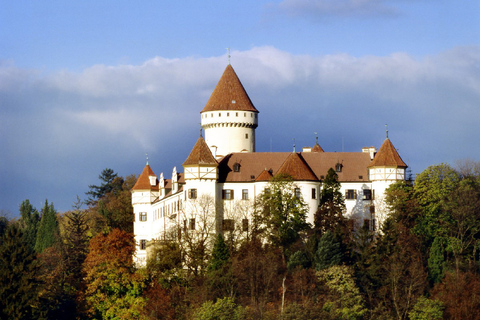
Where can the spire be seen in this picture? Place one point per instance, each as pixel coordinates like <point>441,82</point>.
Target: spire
<point>316,147</point>
<point>146,154</point>
<point>200,154</point>
<point>229,94</point>
<point>387,156</point>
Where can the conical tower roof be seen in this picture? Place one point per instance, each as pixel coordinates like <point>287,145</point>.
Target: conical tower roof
<point>387,156</point>
<point>229,94</point>
<point>200,154</point>
<point>297,168</point>
<point>143,181</point>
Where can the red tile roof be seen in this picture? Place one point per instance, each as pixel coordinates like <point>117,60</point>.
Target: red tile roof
<point>296,167</point>
<point>229,94</point>
<point>387,156</point>
<point>317,148</point>
<point>200,154</point>
<point>264,176</point>
<point>143,181</point>
<point>354,165</point>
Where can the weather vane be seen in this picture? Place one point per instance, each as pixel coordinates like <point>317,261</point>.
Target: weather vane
<point>228,50</point>
<point>316,137</point>
<point>146,154</point>
<point>293,144</point>
<point>386,129</point>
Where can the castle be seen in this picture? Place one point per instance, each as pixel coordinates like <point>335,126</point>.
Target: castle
<point>223,175</point>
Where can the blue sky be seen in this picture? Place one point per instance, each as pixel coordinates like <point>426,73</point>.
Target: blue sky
<point>95,84</point>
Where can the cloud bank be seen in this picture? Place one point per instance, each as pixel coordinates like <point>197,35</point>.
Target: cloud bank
<point>60,129</point>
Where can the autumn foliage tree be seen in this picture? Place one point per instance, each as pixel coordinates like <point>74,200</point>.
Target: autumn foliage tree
<point>113,288</point>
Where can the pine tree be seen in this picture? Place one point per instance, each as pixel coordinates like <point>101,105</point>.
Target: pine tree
<point>328,253</point>
<point>329,215</point>
<point>48,231</point>
<point>220,254</point>
<point>18,271</point>
<point>110,182</point>
<point>30,220</point>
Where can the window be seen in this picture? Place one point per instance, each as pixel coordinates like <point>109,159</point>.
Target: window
<point>366,224</point>
<point>191,225</point>
<point>245,225</point>
<point>228,225</point>
<point>245,194</point>
<point>228,114</point>
<point>192,193</point>
<point>350,194</point>
<point>143,216</point>
<point>246,135</point>
<point>298,194</point>
<point>236,167</point>
<point>143,244</point>
<point>227,194</point>
<point>314,193</point>
<point>367,194</point>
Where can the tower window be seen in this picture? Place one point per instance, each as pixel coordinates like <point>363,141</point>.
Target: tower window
<point>246,135</point>
<point>143,216</point>
<point>228,114</point>
<point>143,244</point>
<point>236,114</point>
<point>211,115</point>
<point>219,114</point>
<point>314,193</point>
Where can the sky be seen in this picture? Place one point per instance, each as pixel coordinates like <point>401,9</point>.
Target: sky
<point>89,85</point>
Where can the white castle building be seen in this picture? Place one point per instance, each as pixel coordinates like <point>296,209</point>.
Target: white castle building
<point>223,175</point>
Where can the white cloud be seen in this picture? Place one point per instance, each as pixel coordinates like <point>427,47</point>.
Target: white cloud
<point>60,130</point>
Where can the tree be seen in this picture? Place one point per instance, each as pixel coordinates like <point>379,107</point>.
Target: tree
<point>222,309</point>
<point>344,300</point>
<point>328,253</point>
<point>30,220</point>
<point>219,271</point>
<point>18,277</point>
<point>113,288</point>
<point>329,215</point>
<point>426,309</point>
<point>48,232</point>
<point>280,214</point>
<point>109,183</point>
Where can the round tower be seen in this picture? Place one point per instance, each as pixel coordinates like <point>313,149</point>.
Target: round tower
<point>229,118</point>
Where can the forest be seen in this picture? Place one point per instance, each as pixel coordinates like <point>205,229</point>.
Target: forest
<point>422,263</point>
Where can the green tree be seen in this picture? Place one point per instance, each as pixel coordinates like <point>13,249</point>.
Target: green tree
<point>328,253</point>
<point>219,271</point>
<point>432,188</point>
<point>110,182</point>
<point>436,260</point>
<point>48,231</point>
<point>426,309</point>
<point>30,220</point>
<point>280,214</point>
<point>222,309</point>
<point>220,254</point>
<point>344,298</point>
<point>331,208</point>
<point>18,277</point>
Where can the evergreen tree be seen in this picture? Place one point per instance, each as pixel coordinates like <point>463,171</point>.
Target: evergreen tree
<point>220,253</point>
<point>329,215</point>
<point>30,220</point>
<point>18,282</point>
<point>48,231</point>
<point>328,253</point>
<point>110,182</point>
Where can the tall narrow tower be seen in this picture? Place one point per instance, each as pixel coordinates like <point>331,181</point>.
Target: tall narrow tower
<point>229,117</point>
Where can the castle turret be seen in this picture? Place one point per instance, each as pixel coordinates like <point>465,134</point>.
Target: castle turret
<point>229,117</point>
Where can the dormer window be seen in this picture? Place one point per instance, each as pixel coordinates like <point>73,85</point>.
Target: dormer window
<point>338,167</point>
<point>236,167</point>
